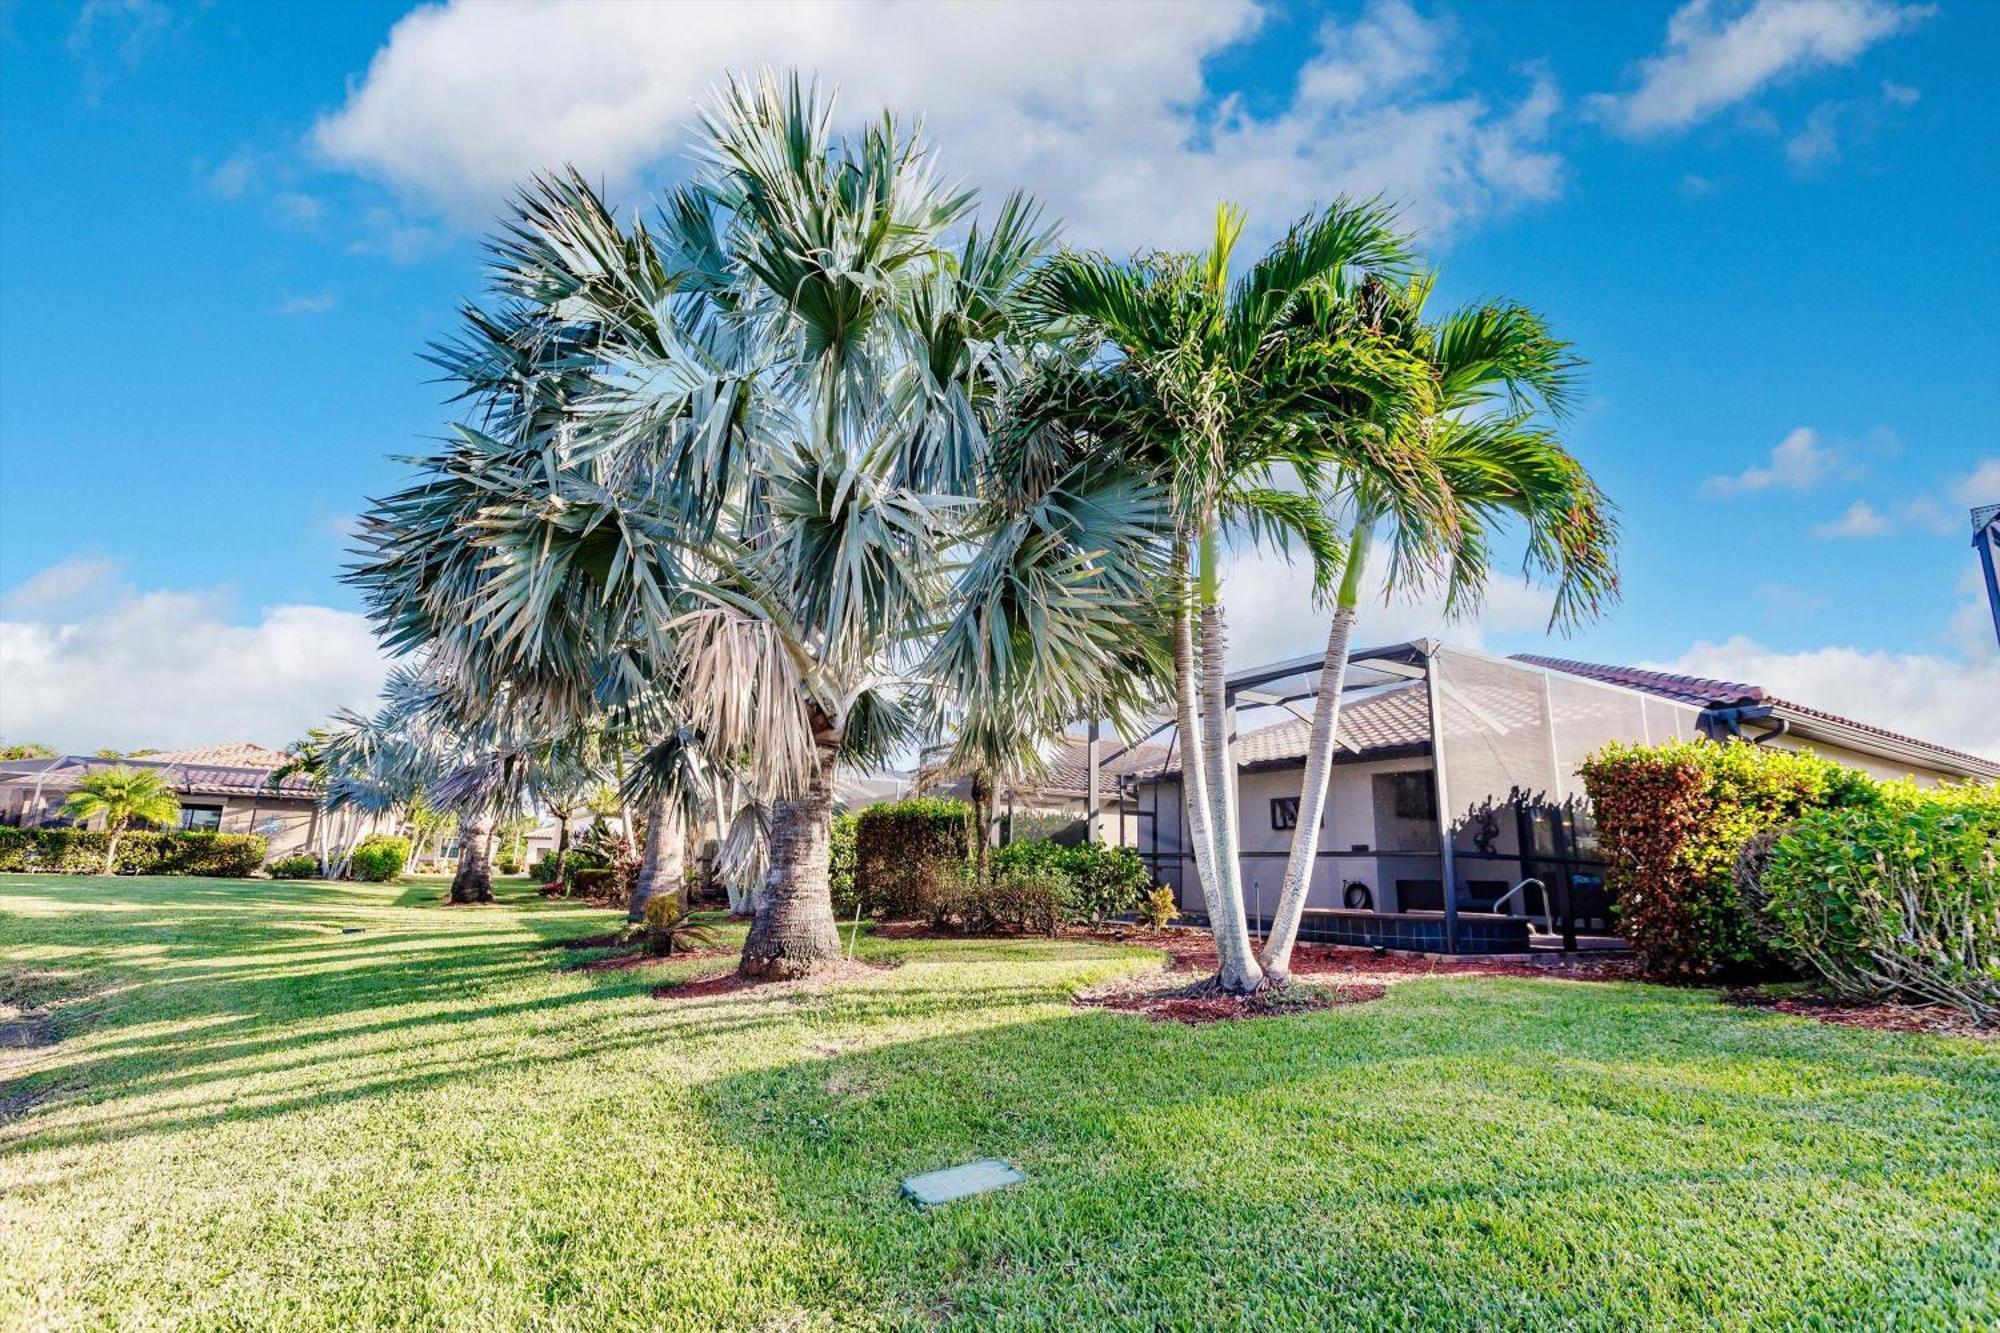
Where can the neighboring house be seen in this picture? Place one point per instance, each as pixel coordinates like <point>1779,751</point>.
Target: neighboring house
<point>1459,768</point>
<point>1059,800</point>
<point>222,789</point>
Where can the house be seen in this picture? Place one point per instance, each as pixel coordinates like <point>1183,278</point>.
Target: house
<point>222,788</point>
<point>1457,768</point>
<point>1060,803</point>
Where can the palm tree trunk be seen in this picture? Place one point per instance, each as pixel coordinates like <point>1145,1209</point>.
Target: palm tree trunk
<point>792,930</point>
<point>1238,970</point>
<point>111,832</point>
<point>664,864</point>
<point>473,883</point>
<point>982,825</point>
<point>1291,907</point>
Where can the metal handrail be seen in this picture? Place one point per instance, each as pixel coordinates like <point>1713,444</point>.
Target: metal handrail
<point>1548,916</point>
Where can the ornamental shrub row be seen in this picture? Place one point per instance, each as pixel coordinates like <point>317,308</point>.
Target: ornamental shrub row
<point>68,851</point>
<point>905,850</point>
<point>1672,820</point>
<point>1895,895</point>
<point>1100,881</point>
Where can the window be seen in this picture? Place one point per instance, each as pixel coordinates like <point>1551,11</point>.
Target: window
<point>201,818</point>
<point>1415,797</point>
<point>1284,812</point>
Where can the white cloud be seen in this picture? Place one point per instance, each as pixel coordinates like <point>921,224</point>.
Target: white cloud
<point>168,669</point>
<point>235,175</point>
<point>1819,141</point>
<point>1981,486</point>
<point>1797,462</point>
<point>1860,520</point>
<point>1940,699</point>
<point>1104,109</point>
<point>1719,54</point>
<point>1899,94</point>
<point>63,585</point>
<point>315,303</point>
<point>1271,614</point>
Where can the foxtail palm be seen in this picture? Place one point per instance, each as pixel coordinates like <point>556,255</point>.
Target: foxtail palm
<point>1498,372</point>
<point>119,796</point>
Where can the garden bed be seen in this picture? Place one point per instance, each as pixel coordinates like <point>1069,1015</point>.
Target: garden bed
<point>1881,1015</point>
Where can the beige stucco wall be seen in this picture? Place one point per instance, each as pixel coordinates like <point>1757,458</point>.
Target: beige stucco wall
<point>1873,765</point>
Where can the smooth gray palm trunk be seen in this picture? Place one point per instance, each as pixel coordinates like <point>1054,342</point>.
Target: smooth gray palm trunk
<point>791,928</point>
<point>1284,933</point>
<point>663,868</point>
<point>473,882</point>
<point>1237,969</point>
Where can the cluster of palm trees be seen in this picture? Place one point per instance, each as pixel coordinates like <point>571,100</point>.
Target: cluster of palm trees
<point>818,464</point>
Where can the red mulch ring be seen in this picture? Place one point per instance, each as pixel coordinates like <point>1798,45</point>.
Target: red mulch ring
<point>728,983</point>
<point>1331,975</point>
<point>1881,1016</point>
<point>1202,1002</point>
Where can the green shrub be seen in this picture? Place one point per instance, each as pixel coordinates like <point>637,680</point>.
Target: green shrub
<point>1022,899</point>
<point>593,881</point>
<point>904,851</point>
<point>1159,909</point>
<point>68,851</point>
<point>840,864</point>
<point>1672,820</point>
<point>670,928</point>
<point>507,863</point>
<point>379,857</point>
<point>299,866</point>
<point>1104,881</point>
<point>1897,896</point>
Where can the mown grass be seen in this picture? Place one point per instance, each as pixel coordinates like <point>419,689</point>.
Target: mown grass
<point>255,1120</point>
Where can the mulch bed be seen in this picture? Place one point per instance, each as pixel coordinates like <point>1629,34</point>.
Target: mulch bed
<point>1881,1016</point>
<point>729,983</point>
<point>1325,976</point>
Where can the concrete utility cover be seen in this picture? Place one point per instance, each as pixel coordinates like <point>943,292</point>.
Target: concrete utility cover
<point>957,1182</point>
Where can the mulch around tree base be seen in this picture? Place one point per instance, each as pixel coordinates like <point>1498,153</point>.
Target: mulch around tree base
<point>1323,976</point>
<point>728,983</point>
<point>628,962</point>
<point>1882,1017</point>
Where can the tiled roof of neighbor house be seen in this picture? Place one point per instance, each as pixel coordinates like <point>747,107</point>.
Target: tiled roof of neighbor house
<point>235,754</point>
<point>190,777</point>
<point>1069,768</point>
<point>1705,693</point>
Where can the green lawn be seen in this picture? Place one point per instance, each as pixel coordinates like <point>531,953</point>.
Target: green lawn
<point>255,1120</point>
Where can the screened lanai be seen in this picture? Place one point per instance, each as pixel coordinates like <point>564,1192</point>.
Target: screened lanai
<point>1456,821</point>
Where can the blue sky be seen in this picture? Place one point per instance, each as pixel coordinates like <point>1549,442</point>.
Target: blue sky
<point>227,229</point>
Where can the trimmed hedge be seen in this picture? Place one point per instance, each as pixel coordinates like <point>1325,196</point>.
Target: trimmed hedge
<point>1104,881</point>
<point>840,863</point>
<point>904,850</point>
<point>379,858</point>
<point>299,865</point>
<point>68,851</point>
<point>1672,820</point>
<point>1900,895</point>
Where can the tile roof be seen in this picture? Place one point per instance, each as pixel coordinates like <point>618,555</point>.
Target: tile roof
<point>1697,690</point>
<point>235,754</point>
<point>1069,767</point>
<point>1393,719</point>
<point>1705,693</point>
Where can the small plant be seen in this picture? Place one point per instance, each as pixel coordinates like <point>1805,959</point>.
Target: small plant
<point>380,857</point>
<point>1159,909</point>
<point>298,866</point>
<point>670,928</point>
<point>507,863</point>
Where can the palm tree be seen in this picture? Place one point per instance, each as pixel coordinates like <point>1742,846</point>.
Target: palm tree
<point>1498,369</point>
<point>1238,400</point>
<point>119,796</point>
<point>722,467</point>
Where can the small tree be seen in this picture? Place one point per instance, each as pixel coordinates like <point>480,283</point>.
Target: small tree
<point>121,795</point>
